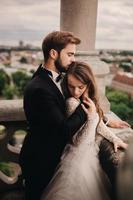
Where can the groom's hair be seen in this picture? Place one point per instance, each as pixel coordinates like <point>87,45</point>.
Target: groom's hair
<point>58,40</point>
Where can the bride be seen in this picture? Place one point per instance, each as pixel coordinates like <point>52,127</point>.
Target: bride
<point>79,175</point>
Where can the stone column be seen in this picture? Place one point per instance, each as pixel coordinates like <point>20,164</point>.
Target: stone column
<point>80,17</point>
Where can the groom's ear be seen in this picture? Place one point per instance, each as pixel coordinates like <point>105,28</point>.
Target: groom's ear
<point>53,54</point>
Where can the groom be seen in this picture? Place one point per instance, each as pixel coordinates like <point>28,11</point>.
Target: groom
<point>44,105</point>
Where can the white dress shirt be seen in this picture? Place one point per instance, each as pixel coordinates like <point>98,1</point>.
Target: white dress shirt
<point>53,77</point>
<point>58,84</point>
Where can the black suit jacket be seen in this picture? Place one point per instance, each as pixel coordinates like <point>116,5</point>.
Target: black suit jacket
<point>49,128</point>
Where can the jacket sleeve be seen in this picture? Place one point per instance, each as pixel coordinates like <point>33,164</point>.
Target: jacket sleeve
<point>47,110</point>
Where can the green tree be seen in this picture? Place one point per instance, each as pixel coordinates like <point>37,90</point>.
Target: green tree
<point>121,110</point>
<point>20,80</point>
<point>117,96</point>
<point>121,104</point>
<point>9,92</point>
<point>126,66</point>
<point>4,80</point>
<point>106,60</point>
<point>23,60</point>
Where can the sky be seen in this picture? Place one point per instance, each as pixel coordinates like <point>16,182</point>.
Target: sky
<point>31,20</point>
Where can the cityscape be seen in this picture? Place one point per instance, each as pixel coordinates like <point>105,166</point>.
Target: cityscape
<point>21,61</point>
<point>27,58</point>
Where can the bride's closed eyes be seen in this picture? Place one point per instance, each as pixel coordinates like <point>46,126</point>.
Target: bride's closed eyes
<point>75,86</point>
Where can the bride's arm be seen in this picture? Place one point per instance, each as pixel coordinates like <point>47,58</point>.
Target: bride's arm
<point>88,130</point>
<point>103,130</point>
<point>71,105</point>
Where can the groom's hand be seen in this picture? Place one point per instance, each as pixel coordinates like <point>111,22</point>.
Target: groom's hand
<point>114,123</point>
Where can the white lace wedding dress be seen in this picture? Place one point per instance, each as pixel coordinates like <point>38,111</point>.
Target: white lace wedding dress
<point>79,175</point>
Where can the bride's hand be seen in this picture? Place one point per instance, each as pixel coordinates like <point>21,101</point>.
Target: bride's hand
<point>85,94</point>
<point>119,144</point>
<point>88,106</point>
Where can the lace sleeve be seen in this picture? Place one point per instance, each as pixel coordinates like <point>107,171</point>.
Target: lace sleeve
<point>88,130</point>
<point>103,130</point>
<point>71,105</point>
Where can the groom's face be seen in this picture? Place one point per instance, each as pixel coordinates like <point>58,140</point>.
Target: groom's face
<point>65,57</point>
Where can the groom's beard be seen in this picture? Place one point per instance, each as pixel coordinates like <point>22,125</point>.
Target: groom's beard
<point>59,67</point>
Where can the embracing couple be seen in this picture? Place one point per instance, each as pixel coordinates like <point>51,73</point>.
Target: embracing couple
<point>59,156</point>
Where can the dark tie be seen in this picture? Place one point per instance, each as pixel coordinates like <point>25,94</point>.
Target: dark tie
<point>59,77</point>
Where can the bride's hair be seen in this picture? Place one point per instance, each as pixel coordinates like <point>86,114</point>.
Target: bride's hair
<point>83,72</point>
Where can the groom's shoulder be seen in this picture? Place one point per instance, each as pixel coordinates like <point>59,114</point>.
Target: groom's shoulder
<point>38,79</point>
<point>36,84</point>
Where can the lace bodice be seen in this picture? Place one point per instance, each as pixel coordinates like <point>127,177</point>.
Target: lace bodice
<point>92,120</point>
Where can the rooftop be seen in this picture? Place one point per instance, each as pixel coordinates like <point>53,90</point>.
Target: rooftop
<point>126,78</point>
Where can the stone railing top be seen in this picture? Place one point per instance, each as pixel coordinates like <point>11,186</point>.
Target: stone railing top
<point>11,110</point>
<point>87,53</point>
<point>99,67</point>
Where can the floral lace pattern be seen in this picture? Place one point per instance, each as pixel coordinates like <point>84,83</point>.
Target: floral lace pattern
<point>86,133</point>
<point>102,129</point>
<point>106,132</point>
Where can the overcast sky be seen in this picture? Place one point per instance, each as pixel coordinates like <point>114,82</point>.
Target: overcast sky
<point>31,20</point>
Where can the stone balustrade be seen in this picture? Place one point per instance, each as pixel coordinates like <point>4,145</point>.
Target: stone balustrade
<point>12,118</point>
<point>11,110</point>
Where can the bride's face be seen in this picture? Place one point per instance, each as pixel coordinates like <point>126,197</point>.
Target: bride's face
<point>75,86</point>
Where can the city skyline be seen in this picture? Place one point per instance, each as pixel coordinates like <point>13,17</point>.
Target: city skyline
<point>31,20</point>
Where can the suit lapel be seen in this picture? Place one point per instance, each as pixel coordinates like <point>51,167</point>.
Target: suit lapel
<point>44,75</point>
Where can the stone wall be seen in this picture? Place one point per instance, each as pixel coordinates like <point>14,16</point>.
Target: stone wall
<point>11,110</point>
